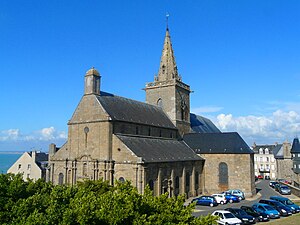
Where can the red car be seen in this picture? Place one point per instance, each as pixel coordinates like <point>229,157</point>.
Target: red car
<point>260,177</point>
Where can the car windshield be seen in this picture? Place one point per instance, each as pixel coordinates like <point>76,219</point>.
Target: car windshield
<point>278,203</point>
<point>228,215</point>
<point>285,187</point>
<point>241,212</point>
<point>268,207</point>
<point>289,202</point>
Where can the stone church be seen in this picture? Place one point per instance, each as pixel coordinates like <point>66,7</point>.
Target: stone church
<point>158,143</point>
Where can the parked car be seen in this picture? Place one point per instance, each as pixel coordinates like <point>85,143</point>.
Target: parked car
<point>281,208</point>
<point>238,193</point>
<point>220,198</point>
<point>273,183</point>
<point>242,215</point>
<point>205,200</point>
<point>265,208</point>
<point>259,217</point>
<point>260,177</point>
<point>287,202</point>
<point>226,217</point>
<point>267,178</point>
<point>284,190</point>
<point>231,198</point>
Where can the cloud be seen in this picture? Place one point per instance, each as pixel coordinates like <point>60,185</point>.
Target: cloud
<point>279,126</point>
<point>206,109</point>
<point>45,134</point>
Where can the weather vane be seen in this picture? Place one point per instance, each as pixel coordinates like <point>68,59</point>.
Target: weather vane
<point>167,19</point>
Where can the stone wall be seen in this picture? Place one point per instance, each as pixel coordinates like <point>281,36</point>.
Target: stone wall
<point>240,173</point>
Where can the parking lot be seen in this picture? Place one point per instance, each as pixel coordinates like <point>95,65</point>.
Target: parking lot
<point>263,192</point>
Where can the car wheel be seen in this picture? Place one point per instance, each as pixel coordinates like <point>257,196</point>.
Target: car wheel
<point>231,201</point>
<point>221,202</point>
<point>211,205</point>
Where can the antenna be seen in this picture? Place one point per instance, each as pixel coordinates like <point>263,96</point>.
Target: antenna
<point>167,20</point>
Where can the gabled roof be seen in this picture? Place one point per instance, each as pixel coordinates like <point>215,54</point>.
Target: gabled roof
<point>295,146</point>
<point>128,110</point>
<point>278,151</point>
<point>40,156</point>
<point>159,149</point>
<point>201,124</point>
<point>217,143</point>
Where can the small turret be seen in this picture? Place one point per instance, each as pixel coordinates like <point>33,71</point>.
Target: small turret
<point>296,155</point>
<point>92,82</point>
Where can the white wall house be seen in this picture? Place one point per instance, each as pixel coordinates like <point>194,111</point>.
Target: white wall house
<point>31,164</point>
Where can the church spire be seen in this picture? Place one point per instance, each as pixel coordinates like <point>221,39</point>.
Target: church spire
<point>168,68</point>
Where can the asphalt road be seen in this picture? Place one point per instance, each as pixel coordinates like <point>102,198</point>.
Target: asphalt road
<point>263,192</point>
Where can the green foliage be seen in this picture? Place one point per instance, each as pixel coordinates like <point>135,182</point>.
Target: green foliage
<point>89,202</point>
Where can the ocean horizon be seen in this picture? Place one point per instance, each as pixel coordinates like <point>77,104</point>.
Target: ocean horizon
<point>7,159</point>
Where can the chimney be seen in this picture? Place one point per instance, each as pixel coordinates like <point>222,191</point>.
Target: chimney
<point>33,155</point>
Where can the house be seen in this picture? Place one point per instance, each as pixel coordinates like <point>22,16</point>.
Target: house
<point>31,164</point>
<point>115,138</point>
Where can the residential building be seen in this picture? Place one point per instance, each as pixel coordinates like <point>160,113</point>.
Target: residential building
<point>31,164</point>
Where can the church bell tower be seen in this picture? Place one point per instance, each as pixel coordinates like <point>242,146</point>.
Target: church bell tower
<point>168,91</point>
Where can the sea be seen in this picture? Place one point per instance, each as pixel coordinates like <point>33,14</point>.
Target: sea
<point>7,159</point>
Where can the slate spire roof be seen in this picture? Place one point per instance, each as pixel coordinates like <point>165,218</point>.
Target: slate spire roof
<point>295,146</point>
<point>168,68</point>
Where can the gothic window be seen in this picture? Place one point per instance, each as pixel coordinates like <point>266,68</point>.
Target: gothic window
<point>122,179</point>
<point>60,178</point>
<point>151,185</point>
<point>187,179</point>
<point>86,130</point>
<point>69,176</point>
<point>223,173</point>
<point>159,103</point>
<point>177,182</point>
<point>197,178</point>
<point>84,169</point>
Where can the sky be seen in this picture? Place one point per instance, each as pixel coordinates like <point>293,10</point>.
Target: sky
<point>241,59</point>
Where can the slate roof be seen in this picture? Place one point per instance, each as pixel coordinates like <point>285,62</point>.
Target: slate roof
<point>278,151</point>
<point>128,110</point>
<point>159,149</point>
<point>295,146</point>
<point>40,156</point>
<point>201,124</point>
<point>269,147</point>
<point>217,143</point>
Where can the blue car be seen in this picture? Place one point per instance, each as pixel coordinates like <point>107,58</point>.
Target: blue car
<point>287,202</point>
<point>281,208</point>
<point>269,210</point>
<point>205,200</point>
<point>231,198</point>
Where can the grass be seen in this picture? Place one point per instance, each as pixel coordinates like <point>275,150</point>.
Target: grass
<point>291,220</point>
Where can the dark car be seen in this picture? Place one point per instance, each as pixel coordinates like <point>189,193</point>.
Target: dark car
<point>287,202</point>
<point>231,198</point>
<point>284,190</point>
<point>259,217</point>
<point>277,186</point>
<point>273,183</point>
<point>281,208</point>
<point>267,178</point>
<point>242,215</point>
<point>205,200</point>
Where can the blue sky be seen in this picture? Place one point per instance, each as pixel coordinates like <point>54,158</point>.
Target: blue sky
<point>241,59</point>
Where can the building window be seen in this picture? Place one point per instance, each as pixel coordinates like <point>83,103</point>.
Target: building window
<point>295,166</point>
<point>60,178</point>
<point>28,176</point>
<point>122,179</point>
<point>261,151</point>
<point>136,130</point>
<point>266,151</point>
<point>223,173</point>
<point>19,166</point>
<point>177,182</point>
<point>299,166</point>
<point>187,179</point>
<point>159,103</point>
<point>28,166</point>
<point>267,159</point>
<point>84,169</point>
<point>197,178</point>
<point>261,159</point>
<point>149,131</point>
<point>151,185</point>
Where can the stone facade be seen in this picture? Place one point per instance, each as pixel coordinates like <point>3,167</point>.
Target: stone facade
<point>239,173</point>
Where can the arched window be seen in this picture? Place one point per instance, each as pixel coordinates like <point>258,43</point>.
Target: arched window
<point>223,174</point>
<point>151,185</point>
<point>177,182</point>
<point>69,176</point>
<point>60,178</point>
<point>84,169</point>
<point>122,179</point>
<point>159,103</point>
<point>187,179</point>
<point>197,178</point>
